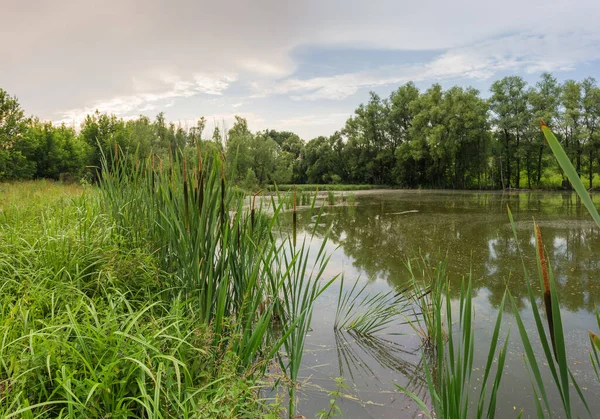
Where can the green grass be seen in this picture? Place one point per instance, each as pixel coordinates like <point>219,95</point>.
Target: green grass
<point>85,328</point>
<point>449,362</point>
<point>368,313</point>
<point>155,294</point>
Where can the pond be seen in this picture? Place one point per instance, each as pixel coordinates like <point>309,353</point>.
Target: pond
<point>373,240</point>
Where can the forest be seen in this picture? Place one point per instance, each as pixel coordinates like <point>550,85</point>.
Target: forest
<point>454,138</point>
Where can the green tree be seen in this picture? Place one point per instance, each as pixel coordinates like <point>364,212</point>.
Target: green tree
<point>544,100</point>
<point>13,164</point>
<point>511,119</point>
<point>591,122</point>
<point>572,121</point>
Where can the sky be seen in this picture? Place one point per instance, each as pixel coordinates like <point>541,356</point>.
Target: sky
<point>300,66</point>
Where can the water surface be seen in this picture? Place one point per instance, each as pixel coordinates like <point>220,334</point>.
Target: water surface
<point>373,240</point>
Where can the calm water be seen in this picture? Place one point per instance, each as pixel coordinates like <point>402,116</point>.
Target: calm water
<point>373,240</point>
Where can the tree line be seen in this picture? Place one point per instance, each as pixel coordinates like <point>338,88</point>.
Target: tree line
<point>435,138</point>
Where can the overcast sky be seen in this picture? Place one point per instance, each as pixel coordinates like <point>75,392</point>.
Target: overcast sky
<point>302,66</point>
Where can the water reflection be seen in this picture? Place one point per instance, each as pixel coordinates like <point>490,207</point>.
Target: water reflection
<point>379,234</point>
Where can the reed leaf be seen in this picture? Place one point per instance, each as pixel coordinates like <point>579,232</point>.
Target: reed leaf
<point>570,172</point>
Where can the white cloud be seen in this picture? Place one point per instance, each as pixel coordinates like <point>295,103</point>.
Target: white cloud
<point>518,53</point>
<point>142,56</point>
<point>173,88</point>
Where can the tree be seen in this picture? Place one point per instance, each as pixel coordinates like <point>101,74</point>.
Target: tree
<point>572,121</point>
<point>591,121</point>
<point>511,119</point>
<point>13,164</point>
<point>238,153</point>
<point>372,151</point>
<point>544,100</point>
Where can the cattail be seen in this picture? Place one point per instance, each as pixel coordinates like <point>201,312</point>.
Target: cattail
<point>171,173</point>
<point>294,219</point>
<point>542,257</point>
<point>116,153</point>
<point>185,195</point>
<point>595,339</point>
<point>252,211</point>
<point>200,178</point>
<point>152,175</point>
<point>546,281</point>
<point>223,190</point>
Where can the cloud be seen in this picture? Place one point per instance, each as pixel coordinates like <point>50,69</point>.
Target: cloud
<point>172,87</point>
<point>517,53</point>
<point>67,58</point>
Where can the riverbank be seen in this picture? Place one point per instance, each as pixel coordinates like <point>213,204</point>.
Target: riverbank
<point>87,330</point>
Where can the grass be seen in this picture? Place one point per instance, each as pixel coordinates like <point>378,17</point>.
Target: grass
<point>351,199</point>
<point>365,313</point>
<point>155,294</point>
<point>84,325</point>
<point>331,198</point>
<point>427,298</point>
<point>449,368</point>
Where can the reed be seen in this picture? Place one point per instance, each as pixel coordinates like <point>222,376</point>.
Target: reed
<point>449,373</point>
<point>163,296</point>
<point>595,345</point>
<point>351,199</point>
<point>88,328</point>
<point>368,313</point>
<point>331,197</point>
<point>426,297</point>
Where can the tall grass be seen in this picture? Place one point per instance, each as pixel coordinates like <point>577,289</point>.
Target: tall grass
<point>226,259</point>
<point>426,296</point>
<point>156,294</point>
<point>449,373</point>
<point>86,330</point>
<point>368,313</point>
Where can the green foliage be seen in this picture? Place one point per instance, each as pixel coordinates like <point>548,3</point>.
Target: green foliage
<point>434,138</point>
<point>351,199</point>
<point>426,295</point>
<point>155,295</point>
<point>334,410</point>
<point>250,182</point>
<point>450,366</point>
<point>314,187</point>
<point>331,197</point>
<point>366,313</point>
<point>87,330</point>
<point>554,353</point>
<point>595,345</point>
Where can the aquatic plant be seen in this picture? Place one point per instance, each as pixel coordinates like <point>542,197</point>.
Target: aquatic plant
<point>577,184</point>
<point>351,199</point>
<point>595,344</point>
<point>426,296</point>
<point>218,294</point>
<point>554,352</point>
<point>449,374</point>
<point>368,313</point>
<point>89,328</point>
<point>334,410</point>
<point>331,198</point>
<point>301,271</point>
